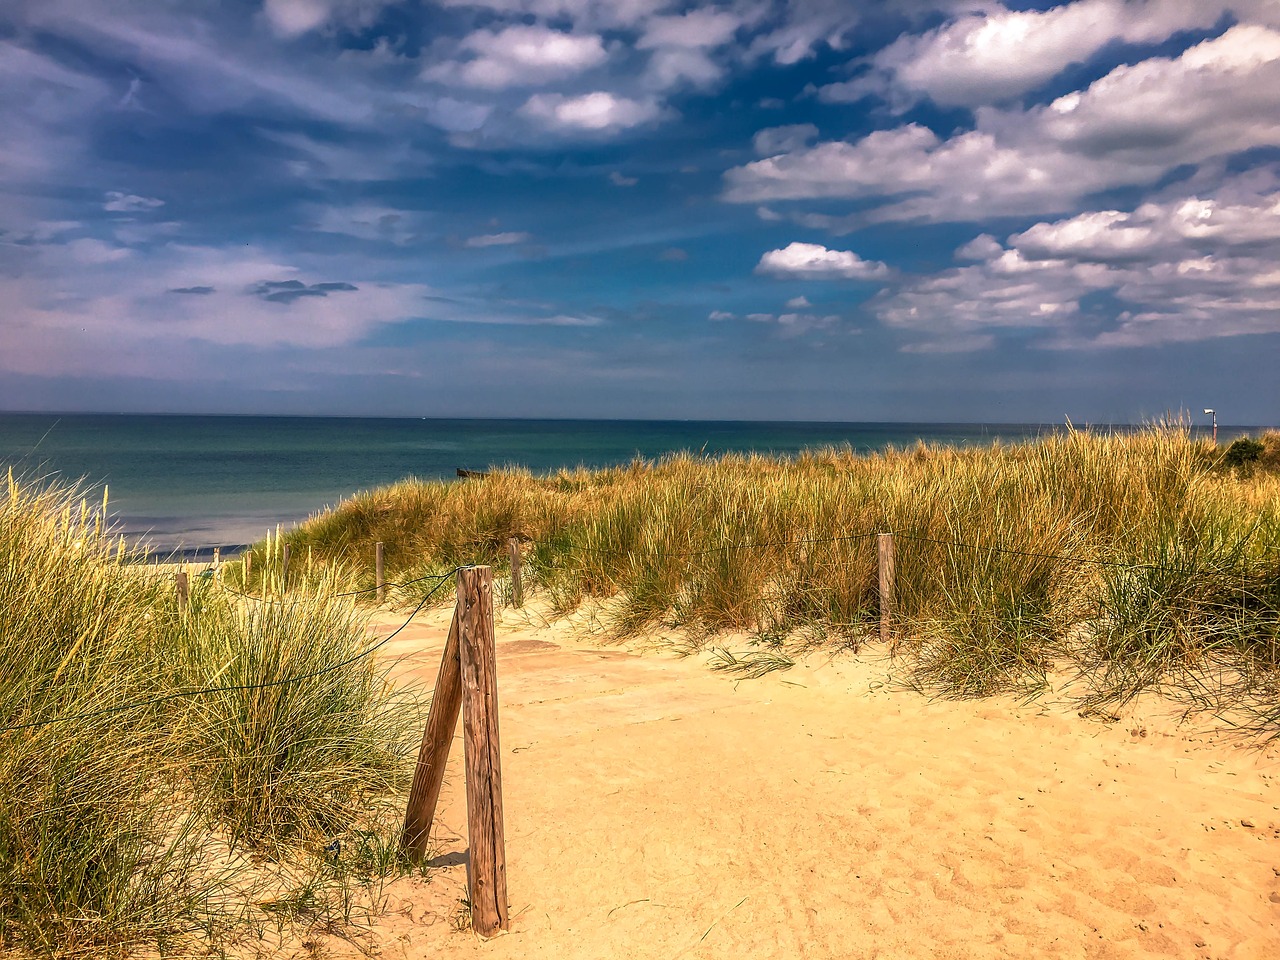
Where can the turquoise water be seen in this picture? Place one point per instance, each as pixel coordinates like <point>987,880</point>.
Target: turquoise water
<point>198,482</point>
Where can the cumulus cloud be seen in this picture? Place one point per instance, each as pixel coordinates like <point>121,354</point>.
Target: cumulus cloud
<point>498,239</point>
<point>520,56</point>
<point>996,54</point>
<point>599,111</point>
<point>815,262</point>
<point>1182,269</point>
<point>1235,217</point>
<point>291,18</point>
<point>1130,127</point>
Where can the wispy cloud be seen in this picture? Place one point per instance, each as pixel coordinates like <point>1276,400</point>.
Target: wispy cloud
<point>498,239</point>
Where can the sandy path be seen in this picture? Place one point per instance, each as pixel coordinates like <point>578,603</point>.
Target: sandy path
<point>657,810</point>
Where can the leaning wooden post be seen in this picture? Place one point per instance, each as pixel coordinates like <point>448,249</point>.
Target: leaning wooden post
<point>378,578</point>
<point>184,591</point>
<point>884,547</point>
<point>517,588</point>
<point>488,874</point>
<point>428,775</point>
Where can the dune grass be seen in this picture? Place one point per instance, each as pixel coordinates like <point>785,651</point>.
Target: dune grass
<point>124,801</point>
<point>1135,556</point>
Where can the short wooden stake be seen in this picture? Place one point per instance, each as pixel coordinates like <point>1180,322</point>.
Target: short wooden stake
<point>517,588</point>
<point>442,720</point>
<point>884,547</point>
<point>184,592</point>
<point>378,578</point>
<point>488,874</point>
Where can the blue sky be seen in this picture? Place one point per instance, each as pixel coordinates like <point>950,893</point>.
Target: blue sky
<point>914,210</point>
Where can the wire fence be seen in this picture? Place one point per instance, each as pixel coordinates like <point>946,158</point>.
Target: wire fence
<point>232,688</point>
<point>442,579</point>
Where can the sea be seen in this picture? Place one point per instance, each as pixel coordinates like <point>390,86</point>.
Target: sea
<point>186,484</point>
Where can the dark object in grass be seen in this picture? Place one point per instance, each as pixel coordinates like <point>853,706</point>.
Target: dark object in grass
<point>1243,450</point>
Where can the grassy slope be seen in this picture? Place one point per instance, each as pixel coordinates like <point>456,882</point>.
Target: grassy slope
<point>1138,556</point>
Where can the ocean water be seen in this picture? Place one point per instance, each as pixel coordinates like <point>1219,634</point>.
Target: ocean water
<point>192,483</point>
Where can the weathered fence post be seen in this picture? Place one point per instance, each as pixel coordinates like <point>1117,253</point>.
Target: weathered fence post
<point>488,875</point>
<point>217,562</point>
<point>468,680</point>
<point>184,592</point>
<point>884,547</point>
<point>517,587</point>
<point>248,566</point>
<point>428,775</point>
<point>378,578</point>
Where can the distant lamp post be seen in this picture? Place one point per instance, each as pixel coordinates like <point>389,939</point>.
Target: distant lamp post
<point>1214,414</point>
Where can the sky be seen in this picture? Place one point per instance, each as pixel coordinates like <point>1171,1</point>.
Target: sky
<point>939,210</point>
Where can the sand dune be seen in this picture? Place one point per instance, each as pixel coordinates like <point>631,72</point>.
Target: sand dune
<point>657,810</point>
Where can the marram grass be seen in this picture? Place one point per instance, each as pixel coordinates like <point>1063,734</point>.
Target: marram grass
<point>1136,556</point>
<point>118,827</point>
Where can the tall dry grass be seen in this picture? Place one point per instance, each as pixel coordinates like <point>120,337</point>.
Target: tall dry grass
<point>120,791</point>
<point>1137,555</point>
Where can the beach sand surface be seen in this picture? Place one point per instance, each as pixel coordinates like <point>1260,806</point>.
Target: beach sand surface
<point>657,810</point>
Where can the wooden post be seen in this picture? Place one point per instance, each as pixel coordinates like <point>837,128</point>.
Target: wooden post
<point>184,592</point>
<point>517,588</point>
<point>488,874</point>
<point>884,547</point>
<point>379,580</point>
<point>446,702</point>
<point>248,566</point>
<point>217,562</point>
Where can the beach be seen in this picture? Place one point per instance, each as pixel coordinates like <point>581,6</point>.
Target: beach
<point>655,809</point>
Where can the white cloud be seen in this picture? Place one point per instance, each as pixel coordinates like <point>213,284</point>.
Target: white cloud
<point>775,140</point>
<point>995,54</point>
<point>720,315</point>
<point>621,180</point>
<point>670,67</point>
<point>806,25</point>
<point>694,29</point>
<point>816,262</point>
<point>520,56</point>
<point>117,202</point>
<point>90,308</point>
<point>798,303</point>
<point>291,18</point>
<point>1184,268</point>
<point>498,239</point>
<point>371,222</point>
<point>1129,128</point>
<point>1236,217</point>
<point>598,111</point>
<point>594,14</point>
